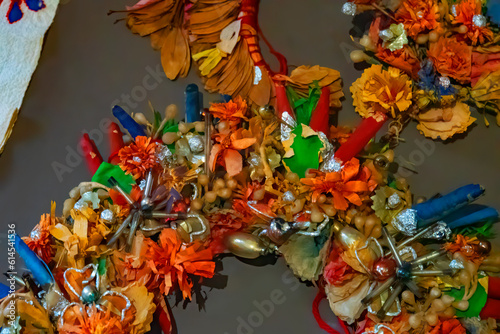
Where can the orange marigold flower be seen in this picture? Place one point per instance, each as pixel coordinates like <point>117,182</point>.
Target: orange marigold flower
<point>465,12</point>
<point>172,261</point>
<point>351,185</point>
<point>226,151</point>
<point>89,320</point>
<point>404,59</point>
<point>138,157</point>
<point>40,240</point>
<point>418,16</point>
<point>381,91</point>
<point>233,111</point>
<point>452,58</point>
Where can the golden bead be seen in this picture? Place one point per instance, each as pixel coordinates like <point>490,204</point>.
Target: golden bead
<point>203,179</point>
<point>197,204</point>
<point>219,184</point>
<point>210,196</point>
<point>224,193</point>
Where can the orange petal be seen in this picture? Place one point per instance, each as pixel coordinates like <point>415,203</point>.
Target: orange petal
<point>355,186</point>
<point>353,198</point>
<point>339,201</point>
<point>241,144</point>
<point>233,161</point>
<point>214,154</point>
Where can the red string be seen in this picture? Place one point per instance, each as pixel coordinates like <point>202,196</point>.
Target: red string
<point>321,323</point>
<point>281,59</point>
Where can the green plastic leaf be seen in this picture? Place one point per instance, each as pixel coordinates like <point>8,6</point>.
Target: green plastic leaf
<point>484,230</point>
<point>476,302</point>
<point>304,106</point>
<point>306,153</point>
<point>107,170</point>
<point>171,126</point>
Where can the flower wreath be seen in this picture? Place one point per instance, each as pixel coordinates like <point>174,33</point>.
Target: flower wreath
<point>174,196</point>
<point>248,180</point>
<point>431,60</point>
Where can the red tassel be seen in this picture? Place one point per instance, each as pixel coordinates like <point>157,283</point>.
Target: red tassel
<point>360,137</point>
<point>321,323</point>
<point>115,137</point>
<point>282,103</point>
<point>90,153</point>
<point>320,118</point>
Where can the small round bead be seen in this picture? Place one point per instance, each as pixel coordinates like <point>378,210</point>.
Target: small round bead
<point>219,183</point>
<point>203,179</point>
<point>210,196</point>
<point>224,193</point>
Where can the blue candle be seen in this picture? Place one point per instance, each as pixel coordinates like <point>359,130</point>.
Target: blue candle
<point>437,208</point>
<point>471,214</point>
<point>128,122</point>
<point>194,100</point>
<point>39,270</point>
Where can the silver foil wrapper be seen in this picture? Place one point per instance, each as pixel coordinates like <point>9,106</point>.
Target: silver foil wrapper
<point>196,144</point>
<point>386,35</point>
<point>456,264</point>
<point>288,196</point>
<point>439,232</point>
<point>287,126</point>
<point>349,8</point>
<point>393,201</point>
<point>107,215</point>
<point>444,82</point>
<point>406,222</point>
<point>479,20</point>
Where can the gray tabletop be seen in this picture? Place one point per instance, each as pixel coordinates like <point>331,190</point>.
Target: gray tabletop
<point>89,63</point>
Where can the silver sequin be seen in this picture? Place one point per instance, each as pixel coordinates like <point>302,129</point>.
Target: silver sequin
<point>196,144</point>
<point>137,159</point>
<point>406,222</point>
<point>444,82</point>
<point>393,201</point>
<point>349,8</point>
<point>479,20</point>
<point>107,215</point>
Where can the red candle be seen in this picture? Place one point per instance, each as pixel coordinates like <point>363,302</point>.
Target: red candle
<point>115,137</point>
<point>282,103</point>
<point>360,137</point>
<point>320,118</point>
<point>90,153</point>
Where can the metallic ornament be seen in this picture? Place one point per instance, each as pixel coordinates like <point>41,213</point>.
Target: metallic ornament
<point>484,247</point>
<point>137,159</point>
<point>197,144</point>
<point>89,294</point>
<point>349,8</point>
<point>384,268</point>
<point>439,231</point>
<point>331,164</point>
<point>279,230</point>
<point>287,125</point>
<point>479,20</point>
<point>245,245</point>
